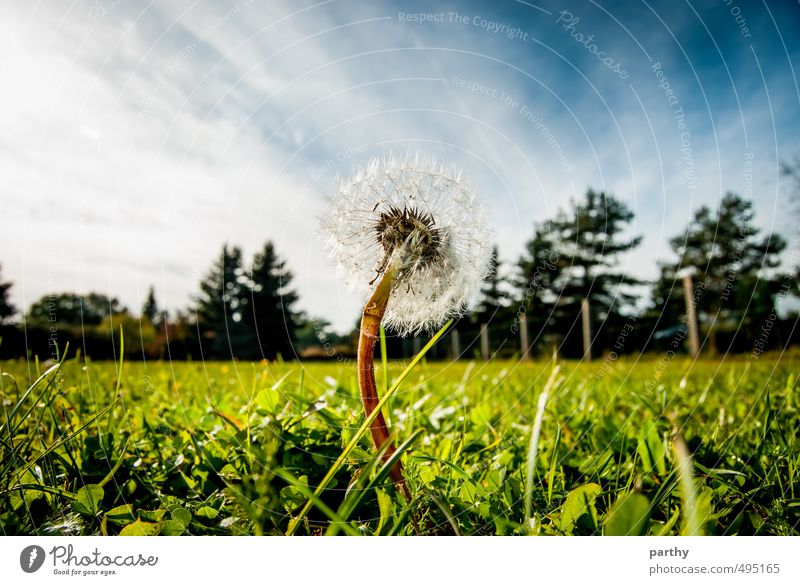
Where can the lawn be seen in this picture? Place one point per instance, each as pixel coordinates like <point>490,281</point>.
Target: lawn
<point>238,448</point>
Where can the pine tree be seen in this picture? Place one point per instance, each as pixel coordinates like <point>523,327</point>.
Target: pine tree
<point>493,298</point>
<point>220,309</point>
<point>538,270</point>
<point>271,320</point>
<point>491,312</point>
<point>150,310</point>
<point>666,294</point>
<point>724,246</point>
<point>733,276</point>
<point>588,240</point>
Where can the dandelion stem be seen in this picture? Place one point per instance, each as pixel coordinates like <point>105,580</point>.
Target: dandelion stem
<point>370,329</point>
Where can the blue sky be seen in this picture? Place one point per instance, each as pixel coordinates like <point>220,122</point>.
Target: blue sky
<point>136,138</point>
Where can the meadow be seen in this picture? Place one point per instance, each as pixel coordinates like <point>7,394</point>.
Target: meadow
<point>230,448</point>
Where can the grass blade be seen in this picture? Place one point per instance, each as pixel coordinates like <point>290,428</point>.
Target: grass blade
<point>314,498</point>
<point>534,443</point>
<point>692,523</point>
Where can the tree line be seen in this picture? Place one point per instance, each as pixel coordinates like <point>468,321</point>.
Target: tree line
<point>568,291</point>
<point>570,280</point>
<point>244,312</point>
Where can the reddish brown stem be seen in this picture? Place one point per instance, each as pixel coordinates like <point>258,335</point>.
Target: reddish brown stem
<point>370,328</point>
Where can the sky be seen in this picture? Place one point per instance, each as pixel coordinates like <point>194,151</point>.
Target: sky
<point>136,138</point>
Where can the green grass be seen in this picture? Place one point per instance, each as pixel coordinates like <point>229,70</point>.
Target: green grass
<point>240,448</point>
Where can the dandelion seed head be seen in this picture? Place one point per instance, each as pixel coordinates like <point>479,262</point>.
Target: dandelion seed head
<point>421,218</point>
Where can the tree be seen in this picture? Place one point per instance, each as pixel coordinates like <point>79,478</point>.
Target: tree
<point>493,298</point>
<point>666,291</point>
<point>150,310</point>
<point>733,268</point>
<point>6,308</point>
<point>220,307</point>
<point>138,336</point>
<point>73,309</point>
<point>270,316</point>
<point>247,314</point>
<point>492,312</point>
<point>538,270</point>
<point>587,241</point>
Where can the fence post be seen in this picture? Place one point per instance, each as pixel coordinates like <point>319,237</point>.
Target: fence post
<point>454,339</point>
<point>691,314</point>
<point>485,342</point>
<point>587,330</point>
<point>523,336</point>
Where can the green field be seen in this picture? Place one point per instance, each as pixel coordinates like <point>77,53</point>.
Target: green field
<point>229,448</point>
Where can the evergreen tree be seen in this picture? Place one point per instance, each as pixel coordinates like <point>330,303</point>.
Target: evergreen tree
<point>733,277</point>
<point>247,314</point>
<point>492,296</point>
<point>588,240</point>
<point>220,307</point>
<point>150,310</point>
<point>6,308</point>
<point>271,320</point>
<point>538,270</point>
<point>666,312</point>
<point>492,310</point>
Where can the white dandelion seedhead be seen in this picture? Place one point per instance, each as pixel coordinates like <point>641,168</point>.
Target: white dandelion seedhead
<point>419,218</point>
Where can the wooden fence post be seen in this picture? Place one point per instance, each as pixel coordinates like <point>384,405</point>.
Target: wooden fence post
<point>485,342</point>
<point>691,314</point>
<point>524,348</point>
<point>587,330</point>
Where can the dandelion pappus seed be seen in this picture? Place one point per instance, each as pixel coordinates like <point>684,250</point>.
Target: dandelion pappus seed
<point>421,215</point>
